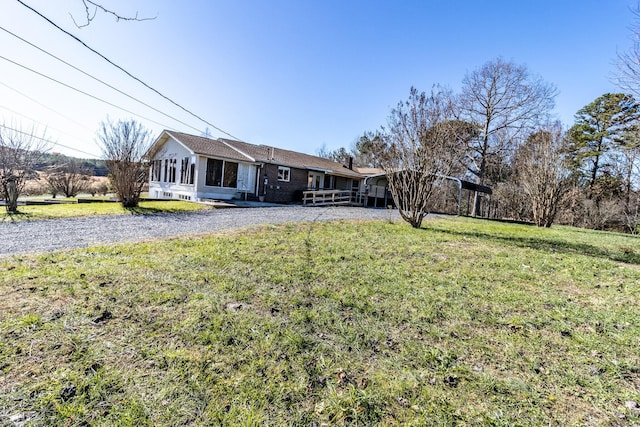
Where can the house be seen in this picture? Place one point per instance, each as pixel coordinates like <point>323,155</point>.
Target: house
<point>195,168</point>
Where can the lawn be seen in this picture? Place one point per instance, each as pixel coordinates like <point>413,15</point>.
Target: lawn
<point>463,322</point>
<point>68,210</point>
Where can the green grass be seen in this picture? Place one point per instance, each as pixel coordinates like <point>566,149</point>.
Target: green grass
<point>69,210</point>
<point>463,322</point>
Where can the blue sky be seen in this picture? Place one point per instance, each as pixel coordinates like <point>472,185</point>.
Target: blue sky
<point>295,74</point>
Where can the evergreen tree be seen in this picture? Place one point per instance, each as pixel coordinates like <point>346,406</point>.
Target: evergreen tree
<point>598,135</point>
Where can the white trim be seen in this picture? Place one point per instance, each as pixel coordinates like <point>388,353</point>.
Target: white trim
<point>175,139</point>
<point>236,149</point>
<point>286,171</point>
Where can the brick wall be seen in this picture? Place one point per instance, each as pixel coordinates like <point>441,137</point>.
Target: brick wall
<point>281,191</point>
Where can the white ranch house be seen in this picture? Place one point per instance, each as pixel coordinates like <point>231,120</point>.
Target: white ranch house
<point>196,168</point>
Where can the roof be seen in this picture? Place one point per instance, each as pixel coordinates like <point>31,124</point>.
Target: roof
<point>245,152</point>
<point>370,171</point>
<point>269,154</point>
<point>209,147</point>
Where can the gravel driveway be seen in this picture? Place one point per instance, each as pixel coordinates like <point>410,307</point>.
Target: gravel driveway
<point>51,235</point>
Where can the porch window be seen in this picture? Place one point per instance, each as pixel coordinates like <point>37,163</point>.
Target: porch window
<point>156,170</point>
<point>173,163</point>
<point>230,178</point>
<point>221,173</point>
<point>165,175</point>
<point>284,174</point>
<point>186,171</point>
<point>214,173</point>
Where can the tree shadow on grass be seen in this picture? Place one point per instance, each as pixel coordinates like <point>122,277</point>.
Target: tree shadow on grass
<point>624,254</point>
<point>14,216</point>
<point>146,211</point>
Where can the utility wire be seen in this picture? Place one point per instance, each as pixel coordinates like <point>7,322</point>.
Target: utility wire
<point>82,92</point>
<point>98,80</point>
<point>44,106</point>
<point>123,70</point>
<point>4,107</point>
<point>44,139</point>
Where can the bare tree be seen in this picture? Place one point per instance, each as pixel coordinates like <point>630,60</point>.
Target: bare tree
<point>505,102</point>
<point>542,172</point>
<point>98,186</point>
<point>69,179</point>
<point>124,145</point>
<point>91,9</point>
<point>628,77</point>
<point>20,151</point>
<point>422,145</point>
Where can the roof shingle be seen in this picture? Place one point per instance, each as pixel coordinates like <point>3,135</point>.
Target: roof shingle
<point>210,147</point>
<point>245,152</point>
<point>269,154</point>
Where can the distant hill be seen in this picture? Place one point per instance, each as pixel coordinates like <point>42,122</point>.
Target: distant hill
<point>96,167</point>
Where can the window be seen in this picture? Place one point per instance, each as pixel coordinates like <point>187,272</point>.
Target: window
<point>214,173</point>
<point>172,170</point>
<point>284,174</point>
<point>186,171</point>
<point>169,170</point>
<point>328,182</point>
<point>221,174</point>
<point>230,175</point>
<point>156,170</point>
<point>166,170</point>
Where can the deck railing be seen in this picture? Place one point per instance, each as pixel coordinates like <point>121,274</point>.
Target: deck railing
<point>327,197</point>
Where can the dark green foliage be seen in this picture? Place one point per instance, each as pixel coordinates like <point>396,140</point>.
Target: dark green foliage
<point>599,134</point>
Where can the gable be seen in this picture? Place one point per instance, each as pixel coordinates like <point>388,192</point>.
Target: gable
<point>168,147</point>
<point>199,145</point>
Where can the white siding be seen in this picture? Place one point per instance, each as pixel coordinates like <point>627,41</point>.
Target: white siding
<point>172,150</point>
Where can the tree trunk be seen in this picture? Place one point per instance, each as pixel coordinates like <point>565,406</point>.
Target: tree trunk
<point>11,191</point>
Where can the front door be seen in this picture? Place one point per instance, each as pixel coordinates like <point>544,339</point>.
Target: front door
<point>315,181</point>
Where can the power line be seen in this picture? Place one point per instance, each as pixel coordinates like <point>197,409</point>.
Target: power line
<point>81,91</point>
<point>123,70</point>
<point>4,107</point>
<point>45,106</point>
<point>45,140</point>
<point>98,80</point>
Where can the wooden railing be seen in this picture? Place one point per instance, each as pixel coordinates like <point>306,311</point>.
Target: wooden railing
<point>327,197</point>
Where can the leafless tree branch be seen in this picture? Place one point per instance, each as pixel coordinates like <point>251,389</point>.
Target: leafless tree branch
<point>91,10</point>
<point>628,64</point>
<point>20,150</point>
<point>124,146</point>
<point>69,179</point>
<point>422,145</point>
<point>542,172</point>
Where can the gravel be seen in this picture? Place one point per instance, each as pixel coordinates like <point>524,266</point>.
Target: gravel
<point>51,235</point>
